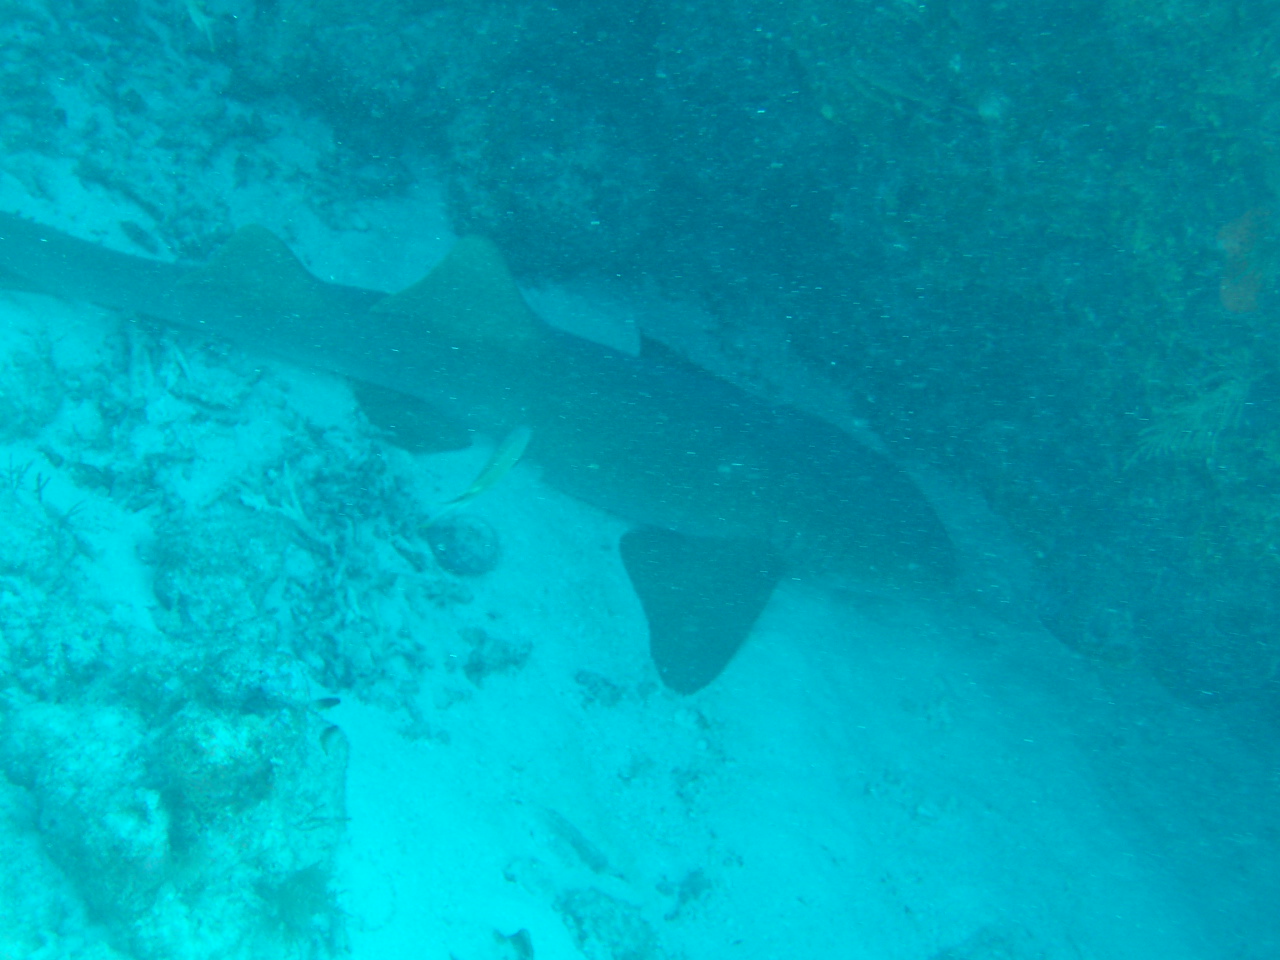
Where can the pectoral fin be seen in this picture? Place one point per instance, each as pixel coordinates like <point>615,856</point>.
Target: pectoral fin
<point>701,596</point>
<point>408,422</point>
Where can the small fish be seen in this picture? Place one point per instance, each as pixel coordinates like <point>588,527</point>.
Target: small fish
<point>325,703</point>
<point>195,10</point>
<point>330,737</point>
<point>505,456</point>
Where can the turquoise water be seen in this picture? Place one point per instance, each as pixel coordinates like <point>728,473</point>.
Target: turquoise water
<point>903,374</point>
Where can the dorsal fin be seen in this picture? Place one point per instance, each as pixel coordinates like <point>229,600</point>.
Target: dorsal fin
<point>470,296</point>
<point>256,274</point>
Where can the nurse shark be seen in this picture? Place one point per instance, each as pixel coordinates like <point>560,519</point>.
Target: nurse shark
<point>726,493</point>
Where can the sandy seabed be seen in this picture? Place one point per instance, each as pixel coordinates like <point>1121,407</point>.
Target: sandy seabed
<point>201,546</point>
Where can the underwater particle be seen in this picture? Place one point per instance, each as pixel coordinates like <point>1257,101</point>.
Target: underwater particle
<point>465,546</point>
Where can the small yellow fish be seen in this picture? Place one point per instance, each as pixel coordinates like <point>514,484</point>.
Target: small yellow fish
<point>505,456</point>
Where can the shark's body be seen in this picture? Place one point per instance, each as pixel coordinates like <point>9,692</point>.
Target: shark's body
<point>725,490</point>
